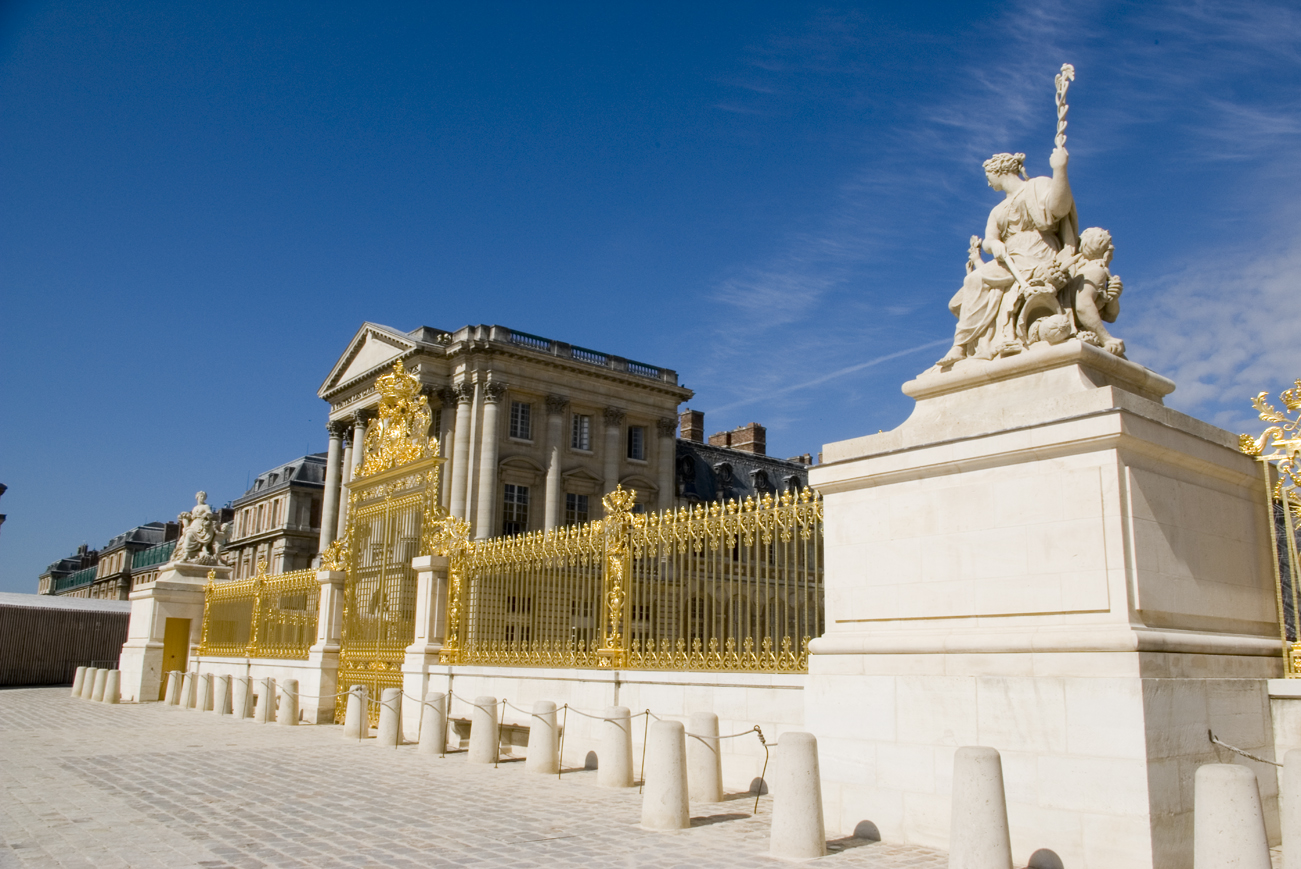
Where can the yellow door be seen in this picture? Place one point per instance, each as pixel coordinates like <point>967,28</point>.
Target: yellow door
<point>176,649</point>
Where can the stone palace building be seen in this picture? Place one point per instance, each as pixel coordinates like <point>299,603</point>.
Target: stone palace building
<point>536,430</point>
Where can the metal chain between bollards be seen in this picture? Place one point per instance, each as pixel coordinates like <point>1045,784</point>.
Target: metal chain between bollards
<point>1234,748</point>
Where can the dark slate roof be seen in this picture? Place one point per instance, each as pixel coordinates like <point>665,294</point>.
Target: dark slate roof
<point>303,472</point>
<point>709,473</point>
<point>149,534</point>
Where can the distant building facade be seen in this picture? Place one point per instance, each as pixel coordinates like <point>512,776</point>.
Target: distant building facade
<point>110,573</point>
<point>535,430</point>
<point>278,520</point>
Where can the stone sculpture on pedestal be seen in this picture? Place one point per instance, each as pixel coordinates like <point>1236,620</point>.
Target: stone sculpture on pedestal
<point>201,540</point>
<point>1047,282</point>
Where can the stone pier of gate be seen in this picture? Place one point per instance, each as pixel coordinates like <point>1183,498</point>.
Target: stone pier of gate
<point>1046,560</point>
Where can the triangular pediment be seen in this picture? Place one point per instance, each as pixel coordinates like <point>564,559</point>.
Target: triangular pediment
<point>373,347</point>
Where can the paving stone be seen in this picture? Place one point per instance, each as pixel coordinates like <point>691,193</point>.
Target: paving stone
<point>143,786</point>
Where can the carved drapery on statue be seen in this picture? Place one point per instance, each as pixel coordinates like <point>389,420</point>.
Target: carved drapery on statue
<point>1047,282</point>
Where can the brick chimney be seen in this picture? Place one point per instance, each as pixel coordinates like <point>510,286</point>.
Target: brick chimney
<point>749,438</point>
<point>691,423</point>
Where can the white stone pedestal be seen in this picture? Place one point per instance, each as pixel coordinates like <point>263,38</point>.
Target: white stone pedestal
<point>430,626</point>
<point>176,594</point>
<point>1045,560</point>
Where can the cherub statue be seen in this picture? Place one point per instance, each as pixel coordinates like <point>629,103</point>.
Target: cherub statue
<point>1097,291</point>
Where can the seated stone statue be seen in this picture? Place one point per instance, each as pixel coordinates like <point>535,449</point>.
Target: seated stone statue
<point>200,539</point>
<point>1096,291</point>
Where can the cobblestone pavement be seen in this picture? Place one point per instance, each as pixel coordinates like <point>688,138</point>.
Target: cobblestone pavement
<point>89,785</point>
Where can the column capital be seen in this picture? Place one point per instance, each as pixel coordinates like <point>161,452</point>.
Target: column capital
<point>557,403</point>
<point>667,426</point>
<point>494,391</point>
<point>464,392</point>
<point>446,395</point>
<point>614,416</point>
<point>336,428</point>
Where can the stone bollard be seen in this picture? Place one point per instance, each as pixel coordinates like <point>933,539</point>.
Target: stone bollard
<point>704,763</point>
<point>265,711</point>
<point>78,680</point>
<point>1290,809</point>
<point>1228,826</point>
<point>203,692</point>
<point>389,733</point>
<point>221,695</point>
<point>356,721</point>
<point>241,697</point>
<point>173,695</point>
<point>187,690</point>
<point>113,687</point>
<point>614,767</point>
<point>88,686</point>
<point>664,804</point>
<point>798,831</point>
<point>544,742</point>
<point>101,680</point>
<point>288,710</point>
<point>433,724</point>
<point>978,832</point>
<point>485,736</point>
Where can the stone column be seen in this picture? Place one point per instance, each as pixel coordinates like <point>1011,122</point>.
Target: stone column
<point>667,455</point>
<point>461,449</point>
<point>330,503</point>
<point>353,455</point>
<point>430,630</point>
<point>345,477</point>
<point>446,440</point>
<point>613,446</point>
<point>493,392</point>
<point>321,678</point>
<point>556,405</point>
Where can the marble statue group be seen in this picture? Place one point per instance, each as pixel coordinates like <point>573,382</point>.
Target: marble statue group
<point>1047,281</point>
<point>201,539</point>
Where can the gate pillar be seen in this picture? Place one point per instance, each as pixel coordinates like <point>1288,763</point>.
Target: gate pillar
<point>430,631</point>
<point>320,682</point>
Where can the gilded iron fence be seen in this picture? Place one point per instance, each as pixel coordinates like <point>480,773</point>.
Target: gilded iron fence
<point>735,586</point>
<point>266,616</point>
<point>1278,449</point>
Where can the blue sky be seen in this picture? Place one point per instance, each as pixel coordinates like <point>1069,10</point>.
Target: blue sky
<point>202,203</point>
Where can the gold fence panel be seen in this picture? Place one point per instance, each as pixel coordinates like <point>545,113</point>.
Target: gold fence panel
<point>1278,449</point>
<point>736,586</point>
<point>266,616</point>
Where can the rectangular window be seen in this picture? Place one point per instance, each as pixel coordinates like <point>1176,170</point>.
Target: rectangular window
<point>515,519</point>
<point>636,442</point>
<point>521,420</point>
<point>575,509</point>
<point>581,437</point>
